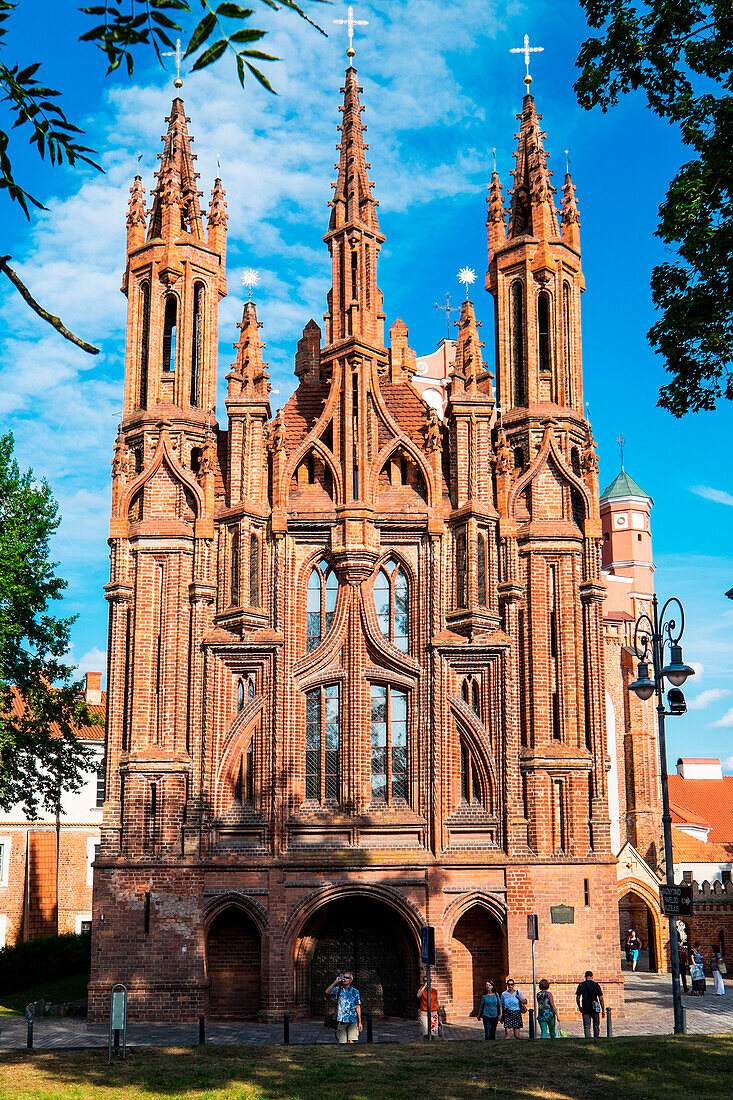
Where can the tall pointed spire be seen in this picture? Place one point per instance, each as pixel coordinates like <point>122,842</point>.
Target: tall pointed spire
<point>495,215</point>
<point>249,372</point>
<point>570,216</point>
<point>532,210</point>
<point>469,368</point>
<point>354,236</point>
<point>176,181</point>
<point>136,215</point>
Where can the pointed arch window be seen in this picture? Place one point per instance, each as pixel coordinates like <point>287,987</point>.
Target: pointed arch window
<point>254,570</point>
<point>470,777</point>
<point>144,343</point>
<point>197,342</point>
<point>240,695</point>
<point>482,568</point>
<point>391,604</point>
<point>461,586</point>
<point>544,342</point>
<point>567,332</point>
<point>389,743</point>
<point>170,325</point>
<point>322,592</point>
<point>517,341</point>
<point>322,743</point>
<point>234,571</point>
<point>471,694</point>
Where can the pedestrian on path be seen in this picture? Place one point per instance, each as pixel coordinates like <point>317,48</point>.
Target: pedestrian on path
<point>684,965</point>
<point>630,937</point>
<point>422,996</point>
<point>589,998</point>
<point>489,1009</point>
<point>546,1011</point>
<point>635,950</point>
<point>699,985</point>
<point>718,967</point>
<point>348,1007</point>
<point>513,1003</point>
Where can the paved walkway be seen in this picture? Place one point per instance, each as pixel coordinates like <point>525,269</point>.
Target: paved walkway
<point>648,1012</point>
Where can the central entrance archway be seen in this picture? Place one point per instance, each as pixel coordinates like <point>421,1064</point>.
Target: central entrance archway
<point>369,938</point>
<point>635,912</point>
<point>478,952</point>
<point>233,952</point>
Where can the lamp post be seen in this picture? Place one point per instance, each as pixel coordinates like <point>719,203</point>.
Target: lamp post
<point>652,634</point>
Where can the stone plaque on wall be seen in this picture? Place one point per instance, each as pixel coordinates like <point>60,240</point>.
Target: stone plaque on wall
<point>562,914</point>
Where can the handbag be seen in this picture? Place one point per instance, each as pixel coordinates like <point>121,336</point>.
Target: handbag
<point>330,1021</point>
<point>596,1006</point>
<point>722,967</point>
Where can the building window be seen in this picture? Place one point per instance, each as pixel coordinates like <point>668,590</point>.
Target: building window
<point>101,786</point>
<point>554,654</point>
<point>586,891</point>
<point>250,688</point>
<point>170,325</point>
<point>389,743</point>
<point>85,925</point>
<point>482,570</point>
<point>249,781</point>
<point>197,341</point>
<point>234,571</point>
<point>322,743</point>
<point>517,341</point>
<point>144,342</point>
<point>322,592</point>
<point>568,342</point>
<point>470,778</point>
<point>254,571</point>
<point>471,692</point>
<point>687,876</point>
<point>390,602</point>
<point>461,568</point>
<point>240,695</point>
<point>558,816</point>
<point>543,333</point>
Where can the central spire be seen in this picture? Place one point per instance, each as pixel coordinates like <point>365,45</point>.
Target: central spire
<point>354,236</point>
<point>177,178</point>
<point>533,210</point>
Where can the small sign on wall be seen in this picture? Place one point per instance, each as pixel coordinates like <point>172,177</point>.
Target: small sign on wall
<point>562,914</point>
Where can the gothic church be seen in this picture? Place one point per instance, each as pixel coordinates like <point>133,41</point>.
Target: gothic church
<point>356,676</point>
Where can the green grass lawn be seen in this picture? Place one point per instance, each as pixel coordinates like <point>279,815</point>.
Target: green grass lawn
<point>57,992</point>
<point>570,1069</point>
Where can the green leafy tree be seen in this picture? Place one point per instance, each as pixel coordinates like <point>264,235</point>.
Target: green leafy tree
<point>40,707</point>
<point>680,55</point>
<point>210,30</point>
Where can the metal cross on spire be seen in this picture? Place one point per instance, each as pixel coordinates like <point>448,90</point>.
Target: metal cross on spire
<point>177,83</point>
<point>349,22</point>
<point>447,309</point>
<point>526,49</point>
<point>621,442</point>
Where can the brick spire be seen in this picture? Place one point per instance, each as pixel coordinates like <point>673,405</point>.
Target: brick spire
<point>249,375</point>
<point>570,216</point>
<point>532,209</point>
<point>354,236</point>
<point>136,215</point>
<point>469,368</point>
<point>176,181</point>
<point>495,215</point>
<point>217,219</point>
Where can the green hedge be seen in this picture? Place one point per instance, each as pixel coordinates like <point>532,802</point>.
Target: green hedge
<point>44,960</point>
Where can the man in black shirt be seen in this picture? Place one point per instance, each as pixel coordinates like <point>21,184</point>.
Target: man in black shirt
<point>589,997</point>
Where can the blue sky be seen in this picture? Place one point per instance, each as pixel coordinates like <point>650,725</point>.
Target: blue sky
<point>441,90</point>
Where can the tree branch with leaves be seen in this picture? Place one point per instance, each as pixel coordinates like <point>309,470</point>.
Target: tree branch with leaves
<point>681,57</point>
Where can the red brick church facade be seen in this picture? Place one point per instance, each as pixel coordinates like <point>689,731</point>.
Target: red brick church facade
<point>356,651</point>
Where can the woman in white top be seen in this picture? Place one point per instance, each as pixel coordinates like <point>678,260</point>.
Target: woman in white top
<point>511,1010</point>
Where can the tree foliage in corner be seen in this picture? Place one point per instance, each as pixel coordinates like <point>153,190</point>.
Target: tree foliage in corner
<point>681,56</point>
<point>40,707</point>
<point>142,25</point>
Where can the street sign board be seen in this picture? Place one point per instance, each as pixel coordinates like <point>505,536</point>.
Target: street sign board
<point>532,930</point>
<point>676,900</point>
<point>427,945</point>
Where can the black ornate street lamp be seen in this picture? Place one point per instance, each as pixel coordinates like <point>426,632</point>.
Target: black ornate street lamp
<point>652,634</point>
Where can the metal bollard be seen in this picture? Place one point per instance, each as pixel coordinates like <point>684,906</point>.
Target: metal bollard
<point>202,1031</point>
<point>286,1029</point>
<point>370,1033</point>
<point>684,1020</point>
<point>531,1024</point>
<point>609,1023</point>
<point>29,1039</point>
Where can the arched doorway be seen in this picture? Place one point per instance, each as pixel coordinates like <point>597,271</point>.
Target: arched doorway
<point>634,912</point>
<point>369,938</point>
<point>233,962</point>
<point>478,952</point>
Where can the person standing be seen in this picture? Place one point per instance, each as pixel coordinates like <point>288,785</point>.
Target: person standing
<point>697,973</point>
<point>630,937</point>
<point>489,1009</point>
<point>635,950</point>
<point>348,1008</point>
<point>715,967</point>
<point>546,1011</point>
<point>511,1010</point>
<point>422,996</point>
<point>589,998</point>
<point>684,965</point>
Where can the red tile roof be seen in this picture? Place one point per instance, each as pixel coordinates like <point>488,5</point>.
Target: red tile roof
<point>711,799</point>
<point>407,407</point>
<point>86,733</point>
<point>679,813</point>
<point>690,849</point>
<point>302,411</point>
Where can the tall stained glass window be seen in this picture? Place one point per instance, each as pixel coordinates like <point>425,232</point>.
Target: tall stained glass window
<point>389,743</point>
<point>322,743</point>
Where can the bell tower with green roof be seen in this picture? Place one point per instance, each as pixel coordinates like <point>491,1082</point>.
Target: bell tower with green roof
<point>627,544</point>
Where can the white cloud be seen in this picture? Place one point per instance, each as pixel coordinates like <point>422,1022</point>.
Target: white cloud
<point>728,766</point>
<point>718,496</point>
<point>705,698</point>
<point>93,661</point>
<point>726,721</point>
<point>698,667</point>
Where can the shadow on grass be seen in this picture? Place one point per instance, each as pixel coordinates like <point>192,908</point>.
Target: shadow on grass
<point>620,1069</point>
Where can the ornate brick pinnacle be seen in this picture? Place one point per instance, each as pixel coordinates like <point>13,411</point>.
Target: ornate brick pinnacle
<point>218,209</point>
<point>532,208</point>
<point>136,209</point>
<point>249,367</point>
<point>469,364</point>
<point>177,178</point>
<point>570,216</point>
<point>495,215</point>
